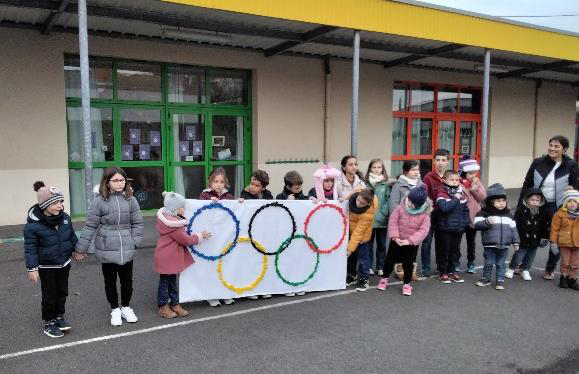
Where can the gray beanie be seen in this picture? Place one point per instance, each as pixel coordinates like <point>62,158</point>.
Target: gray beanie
<point>173,201</point>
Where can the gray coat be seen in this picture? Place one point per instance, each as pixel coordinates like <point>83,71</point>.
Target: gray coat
<point>400,190</point>
<point>116,224</point>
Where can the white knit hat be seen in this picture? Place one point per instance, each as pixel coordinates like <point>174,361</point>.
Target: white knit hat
<point>468,164</point>
<point>173,201</point>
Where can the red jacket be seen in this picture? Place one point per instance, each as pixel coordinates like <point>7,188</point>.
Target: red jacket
<point>209,193</point>
<point>433,185</point>
<point>171,256</point>
<point>405,226</point>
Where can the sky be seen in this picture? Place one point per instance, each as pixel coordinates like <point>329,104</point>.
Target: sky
<point>523,8</point>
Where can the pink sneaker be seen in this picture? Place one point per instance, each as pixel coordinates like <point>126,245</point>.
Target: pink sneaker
<point>407,290</point>
<point>383,284</point>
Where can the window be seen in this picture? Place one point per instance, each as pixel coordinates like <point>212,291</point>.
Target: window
<point>431,116</point>
<point>166,125</point>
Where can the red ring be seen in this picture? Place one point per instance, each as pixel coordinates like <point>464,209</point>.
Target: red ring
<point>344,221</point>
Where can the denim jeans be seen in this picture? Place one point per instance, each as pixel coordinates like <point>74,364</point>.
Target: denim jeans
<point>359,261</point>
<point>426,248</point>
<point>524,257</point>
<point>495,257</point>
<point>551,209</point>
<point>167,291</point>
<point>380,233</point>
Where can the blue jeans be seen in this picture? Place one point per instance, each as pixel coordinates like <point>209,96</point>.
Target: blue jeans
<point>359,261</point>
<point>524,256</point>
<point>380,233</point>
<point>167,291</point>
<point>495,257</point>
<point>426,248</point>
<point>551,209</point>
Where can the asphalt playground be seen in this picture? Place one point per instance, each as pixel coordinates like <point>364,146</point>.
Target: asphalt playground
<point>530,327</point>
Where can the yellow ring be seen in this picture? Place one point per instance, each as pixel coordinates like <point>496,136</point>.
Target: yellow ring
<point>253,284</point>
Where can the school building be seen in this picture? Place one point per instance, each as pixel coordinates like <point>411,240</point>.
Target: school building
<point>180,87</point>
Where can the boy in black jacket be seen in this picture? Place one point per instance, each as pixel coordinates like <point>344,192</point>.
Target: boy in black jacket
<point>453,219</point>
<point>292,190</point>
<point>257,187</point>
<point>533,227</point>
<point>498,232</point>
<point>49,242</point>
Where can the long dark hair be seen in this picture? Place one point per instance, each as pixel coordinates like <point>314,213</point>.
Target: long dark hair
<point>345,161</point>
<point>107,175</point>
<point>372,162</point>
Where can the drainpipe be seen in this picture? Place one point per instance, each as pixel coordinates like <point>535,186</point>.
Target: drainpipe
<point>327,101</point>
<point>355,85</point>
<point>538,84</point>
<point>485,116</point>
<point>85,97</point>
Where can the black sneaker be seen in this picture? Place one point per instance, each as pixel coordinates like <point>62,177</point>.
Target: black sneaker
<point>350,279</point>
<point>52,330</point>
<point>483,282</point>
<point>62,324</point>
<point>362,285</point>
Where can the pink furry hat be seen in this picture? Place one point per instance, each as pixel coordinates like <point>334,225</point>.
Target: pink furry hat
<point>325,172</point>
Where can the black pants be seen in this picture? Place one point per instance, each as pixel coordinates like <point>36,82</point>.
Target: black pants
<point>54,286</point>
<point>470,246</point>
<point>405,254</point>
<point>167,291</point>
<point>125,273</point>
<point>380,234</point>
<point>449,251</point>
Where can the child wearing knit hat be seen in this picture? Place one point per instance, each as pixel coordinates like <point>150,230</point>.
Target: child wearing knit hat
<point>409,224</point>
<point>171,254</point>
<point>565,237</point>
<point>49,244</point>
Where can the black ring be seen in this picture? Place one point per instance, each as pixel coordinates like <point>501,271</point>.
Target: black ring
<point>282,247</point>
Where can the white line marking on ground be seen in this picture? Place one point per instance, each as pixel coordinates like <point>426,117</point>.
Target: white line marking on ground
<point>192,321</point>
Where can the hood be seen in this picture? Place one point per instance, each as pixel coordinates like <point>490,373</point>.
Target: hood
<point>533,191</point>
<point>167,222</point>
<point>35,215</point>
<point>325,172</point>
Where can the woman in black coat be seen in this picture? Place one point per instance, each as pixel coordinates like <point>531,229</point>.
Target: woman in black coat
<point>552,174</point>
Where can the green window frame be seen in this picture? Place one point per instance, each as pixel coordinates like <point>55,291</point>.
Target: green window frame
<point>167,110</point>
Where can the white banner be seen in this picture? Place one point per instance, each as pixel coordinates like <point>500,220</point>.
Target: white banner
<point>225,268</point>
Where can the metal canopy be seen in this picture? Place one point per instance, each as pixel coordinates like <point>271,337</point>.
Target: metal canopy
<point>149,19</point>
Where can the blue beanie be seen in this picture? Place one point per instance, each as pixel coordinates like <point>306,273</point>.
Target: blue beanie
<point>417,196</point>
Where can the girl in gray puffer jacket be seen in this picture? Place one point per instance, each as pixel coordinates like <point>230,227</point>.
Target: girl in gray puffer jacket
<point>115,223</point>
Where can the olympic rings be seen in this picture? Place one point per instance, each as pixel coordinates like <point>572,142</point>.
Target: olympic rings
<point>253,284</point>
<point>230,247</point>
<point>282,247</point>
<point>286,244</point>
<point>344,222</point>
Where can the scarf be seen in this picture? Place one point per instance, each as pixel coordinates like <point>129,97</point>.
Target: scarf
<point>354,208</point>
<point>329,194</point>
<point>574,214</point>
<point>466,183</point>
<point>452,190</point>
<point>415,211</point>
<point>411,182</point>
<point>50,220</point>
<point>374,179</point>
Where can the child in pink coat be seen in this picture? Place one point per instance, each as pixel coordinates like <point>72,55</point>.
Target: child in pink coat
<point>408,226</point>
<point>171,254</point>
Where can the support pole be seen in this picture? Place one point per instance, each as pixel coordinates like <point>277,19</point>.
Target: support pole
<point>327,103</point>
<point>355,87</point>
<point>485,116</point>
<point>85,97</point>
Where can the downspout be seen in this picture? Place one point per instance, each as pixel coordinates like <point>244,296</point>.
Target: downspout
<point>538,84</point>
<point>327,102</point>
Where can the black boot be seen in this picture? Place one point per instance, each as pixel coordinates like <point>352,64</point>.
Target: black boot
<point>572,283</point>
<point>563,282</point>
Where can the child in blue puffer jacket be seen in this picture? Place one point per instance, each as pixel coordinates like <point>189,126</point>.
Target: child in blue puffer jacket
<point>498,232</point>
<point>49,243</point>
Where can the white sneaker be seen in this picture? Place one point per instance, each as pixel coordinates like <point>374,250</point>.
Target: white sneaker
<point>302,293</point>
<point>214,302</point>
<point>266,296</point>
<point>371,272</point>
<point>116,317</point>
<point>228,301</point>
<point>381,273</point>
<point>253,297</point>
<point>509,273</point>
<point>526,275</point>
<point>128,314</point>
<point>291,294</point>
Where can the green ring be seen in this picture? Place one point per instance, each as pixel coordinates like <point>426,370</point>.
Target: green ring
<point>286,242</point>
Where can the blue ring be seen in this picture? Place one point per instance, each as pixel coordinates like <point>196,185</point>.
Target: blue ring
<point>214,206</point>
